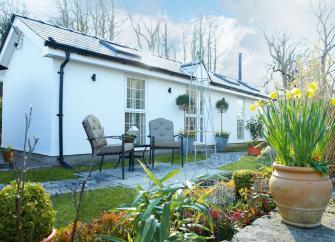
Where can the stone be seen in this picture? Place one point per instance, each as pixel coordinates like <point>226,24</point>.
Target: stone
<point>271,228</point>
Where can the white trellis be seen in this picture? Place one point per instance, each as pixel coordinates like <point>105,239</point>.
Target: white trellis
<point>200,108</point>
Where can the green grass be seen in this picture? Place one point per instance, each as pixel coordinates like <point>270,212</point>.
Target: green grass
<point>94,202</point>
<point>245,162</point>
<point>236,147</point>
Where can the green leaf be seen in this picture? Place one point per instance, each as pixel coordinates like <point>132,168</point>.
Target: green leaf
<point>149,229</point>
<point>169,175</point>
<point>110,238</point>
<point>164,229</point>
<point>152,176</point>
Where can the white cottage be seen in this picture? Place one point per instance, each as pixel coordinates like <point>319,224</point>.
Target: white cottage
<point>65,75</point>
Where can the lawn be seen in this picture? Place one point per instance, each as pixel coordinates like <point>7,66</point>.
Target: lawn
<point>94,202</point>
<point>245,162</point>
<point>60,173</point>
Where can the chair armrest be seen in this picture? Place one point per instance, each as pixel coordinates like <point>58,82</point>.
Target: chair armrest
<point>107,137</point>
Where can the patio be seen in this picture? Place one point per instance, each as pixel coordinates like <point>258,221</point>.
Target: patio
<point>112,177</point>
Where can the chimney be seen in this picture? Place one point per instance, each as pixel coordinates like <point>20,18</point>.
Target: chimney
<point>240,66</point>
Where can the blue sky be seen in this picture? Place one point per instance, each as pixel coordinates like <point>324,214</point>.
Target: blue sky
<point>176,9</point>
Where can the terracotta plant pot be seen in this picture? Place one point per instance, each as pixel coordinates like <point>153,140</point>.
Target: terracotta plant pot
<point>301,194</point>
<point>254,151</point>
<point>51,236</point>
<point>8,156</point>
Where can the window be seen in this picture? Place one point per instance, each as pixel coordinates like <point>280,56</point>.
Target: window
<point>135,109</point>
<point>191,116</point>
<point>240,119</point>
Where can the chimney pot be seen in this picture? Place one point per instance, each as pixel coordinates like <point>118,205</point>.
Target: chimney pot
<point>240,66</point>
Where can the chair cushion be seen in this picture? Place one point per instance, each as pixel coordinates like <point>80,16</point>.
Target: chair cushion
<point>93,130</point>
<point>114,149</point>
<point>161,129</point>
<point>167,144</point>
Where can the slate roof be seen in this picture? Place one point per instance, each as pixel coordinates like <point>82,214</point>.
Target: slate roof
<point>74,41</point>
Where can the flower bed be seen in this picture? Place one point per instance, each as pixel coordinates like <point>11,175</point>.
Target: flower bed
<point>211,211</point>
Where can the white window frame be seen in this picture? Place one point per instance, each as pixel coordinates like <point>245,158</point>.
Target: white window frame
<point>134,110</point>
<point>240,118</point>
<point>200,135</point>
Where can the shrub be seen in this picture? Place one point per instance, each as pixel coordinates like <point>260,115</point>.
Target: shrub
<point>37,214</point>
<point>109,223</point>
<point>255,127</point>
<point>242,179</point>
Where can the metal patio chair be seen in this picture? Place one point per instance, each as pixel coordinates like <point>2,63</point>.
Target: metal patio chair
<point>100,147</point>
<point>162,136</point>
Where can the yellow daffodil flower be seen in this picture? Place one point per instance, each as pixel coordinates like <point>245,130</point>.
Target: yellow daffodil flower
<point>313,86</point>
<point>310,93</point>
<point>259,103</point>
<point>252,107</point>
<point>297,92</point>
<point>332,101</point>
<point>288,94</point>
<point>274,95</point>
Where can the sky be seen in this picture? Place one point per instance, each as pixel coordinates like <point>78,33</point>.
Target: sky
<point>243,23</point>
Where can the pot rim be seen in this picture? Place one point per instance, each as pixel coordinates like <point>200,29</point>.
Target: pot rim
<point>294,168</point>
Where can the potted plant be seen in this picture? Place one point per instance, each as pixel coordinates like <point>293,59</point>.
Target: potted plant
<point>299,128</point>
<point>221,138</point>
<point>188,140</point>
<point>255,127</point>
<point>183,102</point>
<point>37,216</point>
<point>8,154</point>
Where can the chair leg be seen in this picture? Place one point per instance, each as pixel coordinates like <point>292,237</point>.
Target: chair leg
<point>182,156</point>
<point>117,164</point>
<point>122,160</point>
<point>91,169</point>
<point>102,162</point>
<point>153,158</point>
<point>131,160</point>
<point>172,156</point>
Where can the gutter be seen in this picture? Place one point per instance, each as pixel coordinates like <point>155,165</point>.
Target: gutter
<point>60,109</point>
<point>55,45</point>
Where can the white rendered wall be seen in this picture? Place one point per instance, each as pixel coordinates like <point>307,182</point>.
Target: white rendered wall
<point>106,98</point>
<point>27,82</point>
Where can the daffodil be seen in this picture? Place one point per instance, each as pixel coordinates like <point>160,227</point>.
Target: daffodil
<point>297,92</point>
<point>259,103</point>
<point>310,93</point>
<point>274,95</point>
<point>288,94</point>
<point>252,107</point>
<point>332,101</point>
<point>313,86</point>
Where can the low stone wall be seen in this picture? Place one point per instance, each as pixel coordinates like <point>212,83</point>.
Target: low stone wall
<point>271,228</point>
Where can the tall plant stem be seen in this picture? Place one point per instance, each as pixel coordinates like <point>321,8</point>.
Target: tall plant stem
<point>221,122</point>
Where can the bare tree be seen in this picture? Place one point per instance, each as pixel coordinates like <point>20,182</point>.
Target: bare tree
<point>284,56</point>
<point>326,31</point>
<point>8,7</point>
<point>95,17</point>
